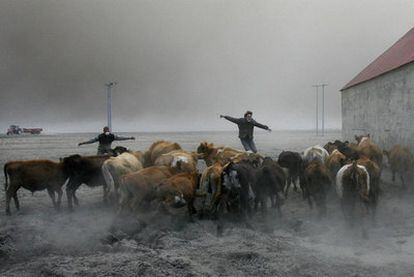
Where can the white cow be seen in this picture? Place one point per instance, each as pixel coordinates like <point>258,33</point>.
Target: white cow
<point>115,167</point>
<point>316,152</point>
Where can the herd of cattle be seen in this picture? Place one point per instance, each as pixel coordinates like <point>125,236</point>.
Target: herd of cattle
<point>234,181</point>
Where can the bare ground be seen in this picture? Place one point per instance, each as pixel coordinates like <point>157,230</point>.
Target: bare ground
<point>39,241</point>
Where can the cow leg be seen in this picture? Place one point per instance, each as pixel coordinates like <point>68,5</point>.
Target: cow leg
<point>263,203</point>
<point>69,195</point>
<point>16,201</point>
<point>287,187</point>
<point>52,196</point>
<point>278,204</point>
<point>105,193</point>
<point>402,182</point>
<point>273,200</point>
<point>8,198</point>
<point>75,198</point>
<point>295,188</point>
<point>12,192</point>
<point>59,200</point>
<point>256,203</point>
<point>393,176</point>
<point>309,200</point>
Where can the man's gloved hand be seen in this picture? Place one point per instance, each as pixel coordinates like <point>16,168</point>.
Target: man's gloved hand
<point>80,143</point>
<point>221,116</point>
<point>133,138</point>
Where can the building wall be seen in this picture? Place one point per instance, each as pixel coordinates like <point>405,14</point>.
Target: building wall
<point>383,107</point>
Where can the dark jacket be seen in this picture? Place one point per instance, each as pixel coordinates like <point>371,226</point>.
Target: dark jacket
<point>105,142</point>
<point>245,127</point>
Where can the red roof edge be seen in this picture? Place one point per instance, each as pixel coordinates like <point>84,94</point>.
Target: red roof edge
<point>398,55</point>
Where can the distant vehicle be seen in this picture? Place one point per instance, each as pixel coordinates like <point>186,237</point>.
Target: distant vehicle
<point>16,130</point>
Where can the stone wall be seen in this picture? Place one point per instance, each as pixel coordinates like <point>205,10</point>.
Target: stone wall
<point>383,107</point>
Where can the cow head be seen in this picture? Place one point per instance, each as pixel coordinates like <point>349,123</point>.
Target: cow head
<point>205,149</point>
<point>118,150</point>
<point>169,196</point>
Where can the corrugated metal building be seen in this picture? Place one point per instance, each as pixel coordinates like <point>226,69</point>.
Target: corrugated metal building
<point>380,99</point>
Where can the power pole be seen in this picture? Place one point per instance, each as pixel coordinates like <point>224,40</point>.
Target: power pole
<point>109,87</point>
<point>323,108</point>
<point>317,109</point>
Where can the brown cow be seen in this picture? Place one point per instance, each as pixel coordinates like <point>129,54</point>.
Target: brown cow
<point>139,188</point>
<point>316,184</point>
<point>211,183</point>
<point>178,190</point>
<point>400,159</point>
<point>157,149</point>
<point>34,175</point>
<point>84,170</point>
<point>188,160</point>
<point>209,153</point>
<point>334,162</point>
<point>369,149</point>
<point>374,172</point>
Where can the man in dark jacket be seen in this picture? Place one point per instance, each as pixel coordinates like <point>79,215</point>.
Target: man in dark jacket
<point>105,140</point>
<point>246,125</point>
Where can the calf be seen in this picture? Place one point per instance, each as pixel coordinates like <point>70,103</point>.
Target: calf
<point>270,182</point>
<point>316,184</point>
<point>83,170</point>
<point>294,163</point>
<point>401,161</point>
<point>33,175</point>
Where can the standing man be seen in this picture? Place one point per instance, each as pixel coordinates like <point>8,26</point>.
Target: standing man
<point>105,140</point>
<point>246,125</point>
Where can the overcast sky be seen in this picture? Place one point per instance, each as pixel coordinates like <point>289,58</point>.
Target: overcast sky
<point>180,64</point>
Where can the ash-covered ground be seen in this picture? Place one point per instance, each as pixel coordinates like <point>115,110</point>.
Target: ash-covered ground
<point>39,241</point>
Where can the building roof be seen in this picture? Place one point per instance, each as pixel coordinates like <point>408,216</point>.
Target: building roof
<point>401,53</point>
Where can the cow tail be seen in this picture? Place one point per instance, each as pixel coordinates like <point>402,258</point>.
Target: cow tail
<point>5,177</point>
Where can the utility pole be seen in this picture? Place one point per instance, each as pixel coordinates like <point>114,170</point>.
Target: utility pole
<point>317,109</point>
<point>109,87</point>
<point>323,108</point>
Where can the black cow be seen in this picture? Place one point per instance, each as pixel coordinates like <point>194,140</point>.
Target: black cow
<point>270,182</point>
<point>237,182</point>
<point>83,170</point>
<point>294,163</point>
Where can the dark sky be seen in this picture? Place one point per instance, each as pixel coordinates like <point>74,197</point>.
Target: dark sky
<point>180,64</point>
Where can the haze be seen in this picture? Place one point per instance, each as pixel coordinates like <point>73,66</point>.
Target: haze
<point>180,64</point>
